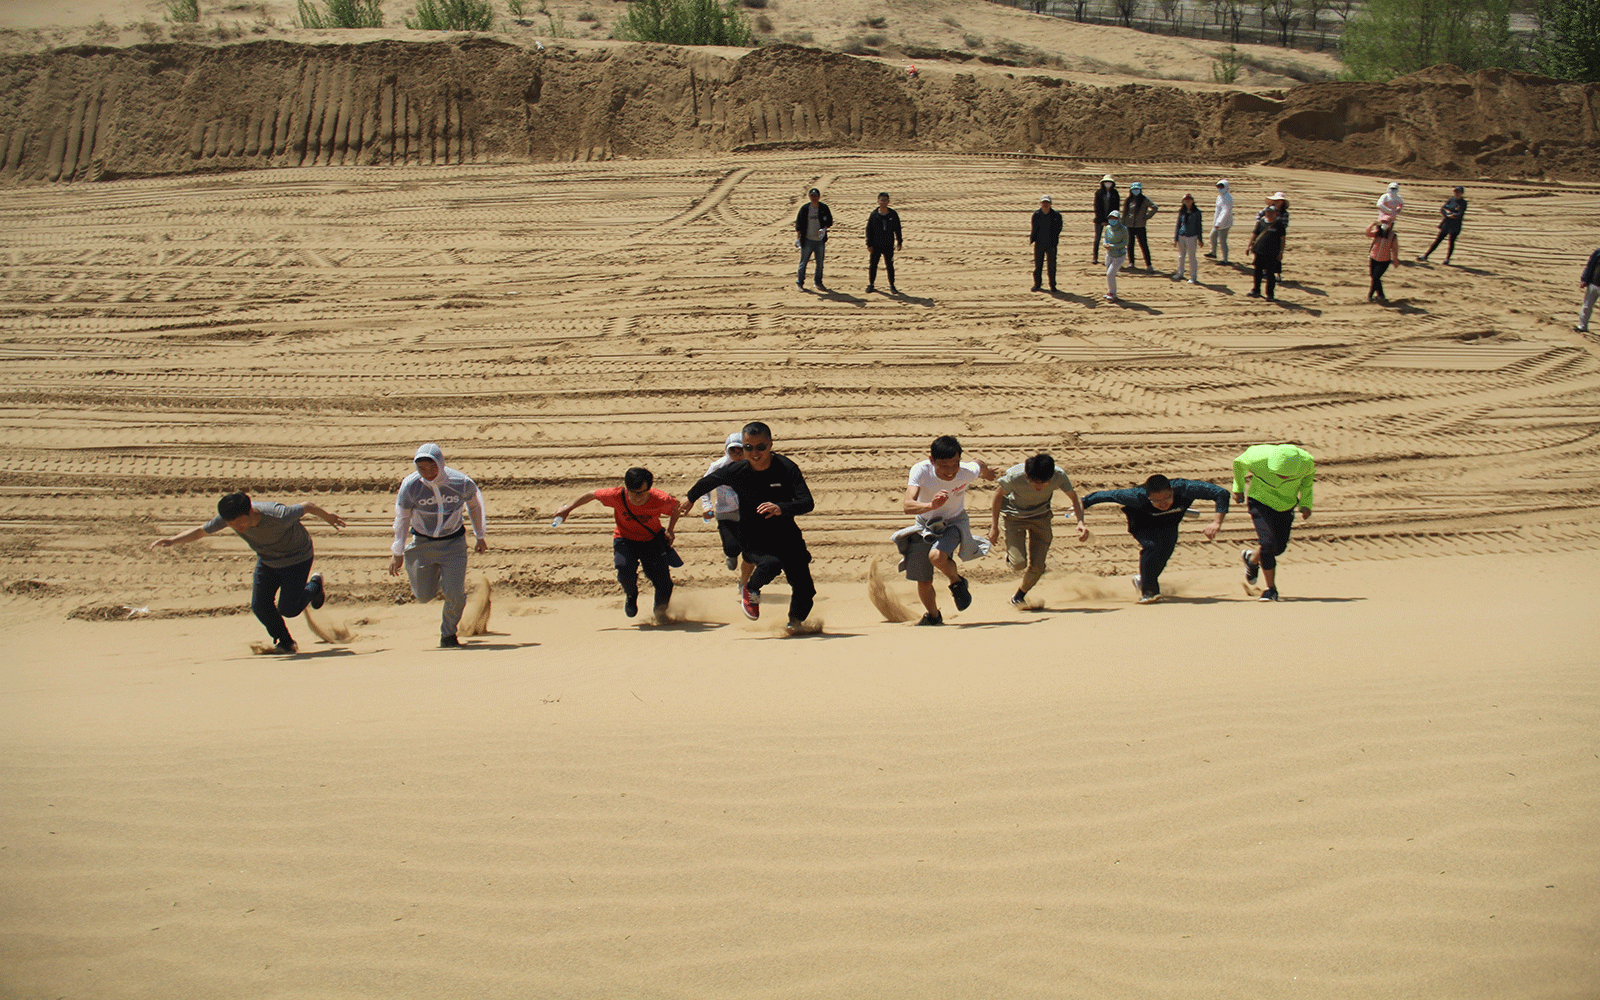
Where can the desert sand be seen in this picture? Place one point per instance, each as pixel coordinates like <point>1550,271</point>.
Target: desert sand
<point>1383,786</point>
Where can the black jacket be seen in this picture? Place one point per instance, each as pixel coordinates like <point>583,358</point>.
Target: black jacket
<point>1458,206</point>
<point>824,218</point>
<point>782,483</point>
<point>1106,201</point>
<point>1189,222</point>
<point>883,231</point>
<point>1142,514</point>
<point>1591,274</point>
<point>1046,229</point>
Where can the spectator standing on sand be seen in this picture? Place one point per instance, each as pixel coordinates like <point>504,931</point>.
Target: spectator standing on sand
<point>1107,199</point>
<point>1589,284</point>
<point>772,493</point>
<point>1136,213</point>
<point>1186,237</point>
<point>1390,203</point>
<point>1267,246</point>
<point>811,225</point>
<point>1023,495</point>
<point>1280,479</point>
<point>283,583</point>
<point>936,492</point>
<point>431,508</point>
<point>1450,215</point>
<point>1115,242</point>
<point>723,505</point>
<point>1155,513</point>
<point>1385,251</point>
<point>1221,220</point>
<point>638,538</point>
<point>883,239</point>
<point>1045,236</point>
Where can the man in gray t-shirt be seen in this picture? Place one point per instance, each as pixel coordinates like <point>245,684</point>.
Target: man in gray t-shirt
<point>1023,495</point>
<point>284,583</point>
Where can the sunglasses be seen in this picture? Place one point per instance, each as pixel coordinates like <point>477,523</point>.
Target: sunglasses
<point>758,447</point>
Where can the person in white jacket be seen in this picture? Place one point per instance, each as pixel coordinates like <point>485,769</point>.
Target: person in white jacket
<point>1221,221</point>
<point>723,504</point>
<point>1390,203</point>
<point>432,507</point>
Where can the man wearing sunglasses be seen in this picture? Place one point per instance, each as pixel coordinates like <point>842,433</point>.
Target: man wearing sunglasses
<point>772,492</point>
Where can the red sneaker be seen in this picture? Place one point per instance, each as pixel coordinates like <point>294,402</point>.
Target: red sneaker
<point>750,601</point>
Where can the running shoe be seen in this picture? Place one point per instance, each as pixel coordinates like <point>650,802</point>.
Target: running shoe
<point>1019,599</point>
<point>630,607</point>
<point>1137,585</point>
<point>1149,598</point>
<point>321,596</point>
<point>794,627</point>
<point>962,595</point>
<point>750,602</point>
<point>449,642</point>
<point>285,647</point>
<point>1251,570</point>
<point>1270,594</point>
<point>932,618</point>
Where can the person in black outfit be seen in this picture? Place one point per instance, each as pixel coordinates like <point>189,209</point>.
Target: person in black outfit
<point>772,493</point>
<point>1155,513</point>
<point>1450,215</point>
<point>811,234</point>
<point>883,239</point>
<point>1136,213</point>
<point>1106,201</point>
<point>1267,245</point>
<point>1046,234</point>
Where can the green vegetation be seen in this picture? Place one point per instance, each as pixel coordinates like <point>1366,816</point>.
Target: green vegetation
<point>685,22</point>
<point>1394,37</point>
<point>341,14</point>
<point>183,11</point>
<point>452,15</point>
<point>1226,69</point>
<point>1569,40</point>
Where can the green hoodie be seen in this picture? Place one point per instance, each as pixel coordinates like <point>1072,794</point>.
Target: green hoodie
<point>1280,475</point>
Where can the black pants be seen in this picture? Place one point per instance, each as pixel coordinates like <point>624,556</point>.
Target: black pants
<point>1040,254</point>
<point>793,560</point>
<point>728,531</point>
<point>1099,228</point>
<point>888,266</point>
<point>628,555</point>
<point>1272,532</point>
<point>1443,235</point>
<point>1155,548</point>
<point>1269,269</point>
<point>280,593</point>
<point>1144,244</point>
<point>1377,267</point>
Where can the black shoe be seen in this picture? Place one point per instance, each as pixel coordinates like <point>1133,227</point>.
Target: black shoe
<point>1270,594</point>
<point>1019,599</point>
<point>932,618</point>
<point>800,285</point>
<point>449,642</point>
<point>1052,288</point>
<point>963,596</point>
<point>872,288</point>
<point>893,290</point>
<point>630,607</point>
<point>1252,295</point>
<point>320,596</point>
<point>285,647</point>
<point>1251,570</point>
<point>1036,288</point>
<point>733,562</point>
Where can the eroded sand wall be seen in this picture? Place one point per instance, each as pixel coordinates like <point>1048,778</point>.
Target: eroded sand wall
<point>98,113</point>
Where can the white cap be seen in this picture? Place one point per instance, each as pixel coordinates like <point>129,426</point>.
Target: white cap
<point>735,440</point>
<point>1045,197</point>
<point>1394,185</point>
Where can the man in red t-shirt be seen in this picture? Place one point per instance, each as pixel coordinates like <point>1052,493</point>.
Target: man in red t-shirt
<point>639,539</point>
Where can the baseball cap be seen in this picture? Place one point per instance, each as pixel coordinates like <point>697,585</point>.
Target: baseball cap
<point>1113,214</point>
<point>1045,197</point>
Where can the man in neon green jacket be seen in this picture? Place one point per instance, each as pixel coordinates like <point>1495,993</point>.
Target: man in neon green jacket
<point>1279,480</point>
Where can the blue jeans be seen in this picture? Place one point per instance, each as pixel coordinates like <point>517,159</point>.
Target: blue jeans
<point>1155,549</point>
<point>807,249</point>
<point>280,593</point>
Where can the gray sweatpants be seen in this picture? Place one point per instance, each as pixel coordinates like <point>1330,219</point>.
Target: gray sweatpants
<point>1219,237</point>
<point>439,566</point>
<point>1584,311</point>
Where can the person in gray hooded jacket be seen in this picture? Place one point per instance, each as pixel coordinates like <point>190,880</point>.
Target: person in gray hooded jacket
<point>431,508</point>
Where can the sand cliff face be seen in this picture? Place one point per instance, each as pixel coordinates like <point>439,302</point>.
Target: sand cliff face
<point>100,113</point>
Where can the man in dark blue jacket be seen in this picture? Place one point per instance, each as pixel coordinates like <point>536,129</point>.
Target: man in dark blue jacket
<point>883,239</point>
<point>1590,285</point>
<point>1450,215</point>
<point>811,234</point>
<point>1155,512</point>
<point>1045,235</point>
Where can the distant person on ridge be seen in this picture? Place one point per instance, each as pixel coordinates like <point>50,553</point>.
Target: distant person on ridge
<point>1450,216</point>
<point>1045,235</point>
<point>883,239</point>
<point>1136,213</point>
<point>811,225</point>
<point>1107,199</point>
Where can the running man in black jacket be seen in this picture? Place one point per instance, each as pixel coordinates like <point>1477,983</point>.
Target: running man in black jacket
<point>772,493</point>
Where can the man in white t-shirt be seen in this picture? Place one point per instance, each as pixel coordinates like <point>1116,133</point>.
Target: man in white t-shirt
<point>936,492</point>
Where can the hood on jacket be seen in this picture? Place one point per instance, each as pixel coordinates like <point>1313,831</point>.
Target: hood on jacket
<point>429,451</point>
<point>1223,184</point>
<point>735,440</point>
<point>1288,461</point>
